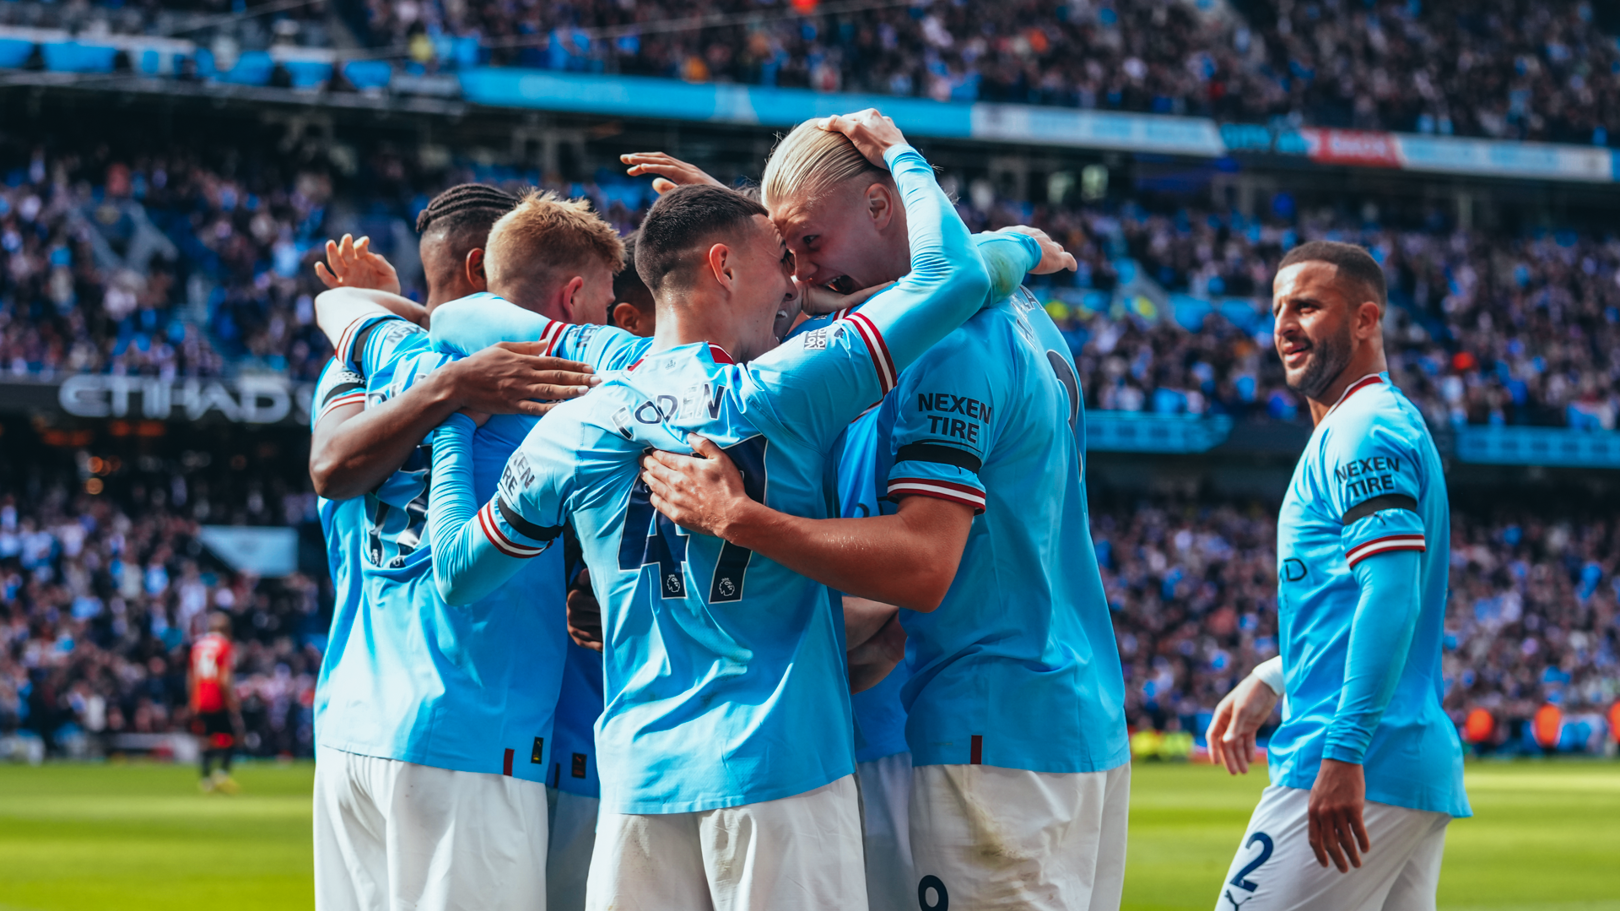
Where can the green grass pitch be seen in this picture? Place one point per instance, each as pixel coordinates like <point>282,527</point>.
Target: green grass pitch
<point>116,837</point>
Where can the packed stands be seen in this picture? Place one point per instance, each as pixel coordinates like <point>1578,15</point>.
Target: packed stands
<point>179,264</point>
<point>1505,69</point>
<point>101,594</point>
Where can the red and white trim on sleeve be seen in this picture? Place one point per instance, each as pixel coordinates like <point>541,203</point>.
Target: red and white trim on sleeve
<point>881,361</point>
<point>492,530</point>
<point>357,397</point>
<point>1383,545</point>
<point>939,490</point>
<point>552,336</point>
<point>346,340</point>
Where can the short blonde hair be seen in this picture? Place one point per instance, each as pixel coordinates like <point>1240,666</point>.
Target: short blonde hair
<point>809,161</point>
<point>545,240</point>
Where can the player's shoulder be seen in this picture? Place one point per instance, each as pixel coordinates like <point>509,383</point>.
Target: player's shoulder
<point>1373,402</point>
<point>1372,415</point>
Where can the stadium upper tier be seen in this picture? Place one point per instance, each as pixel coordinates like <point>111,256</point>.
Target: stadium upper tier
<point>1506,69</point>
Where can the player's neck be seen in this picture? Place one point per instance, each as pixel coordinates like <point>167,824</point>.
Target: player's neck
<point>690,319</point>
<point>1362,364</point>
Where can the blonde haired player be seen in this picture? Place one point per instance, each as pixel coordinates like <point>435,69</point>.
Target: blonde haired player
<point>1013,710</point>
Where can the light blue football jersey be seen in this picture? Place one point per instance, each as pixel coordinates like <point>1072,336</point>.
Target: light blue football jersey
<point>579,705</point>
<point>470,325</point>
<point>880,718</point>
<point>1370,481</point>
<point>467,688</point>
<point>1018,667</point>
<point>724,675</point>
<point>341,525</point>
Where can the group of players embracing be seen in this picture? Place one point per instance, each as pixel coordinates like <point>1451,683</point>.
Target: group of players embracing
<point>825,628</point>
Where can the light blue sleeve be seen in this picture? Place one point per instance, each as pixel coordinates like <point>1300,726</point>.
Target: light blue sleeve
<point>475,322</point>
<point>372,342</point>
<point>470,324</point>
<point>475,550</point>
<point>1007,258</point>
<point>1380,639</point>
<point>816,382</point>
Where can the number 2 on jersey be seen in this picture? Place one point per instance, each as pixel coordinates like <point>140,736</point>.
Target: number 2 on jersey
<point>651,538</point>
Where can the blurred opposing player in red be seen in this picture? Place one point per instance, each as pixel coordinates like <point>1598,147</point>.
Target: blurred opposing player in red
<point>215,711</point>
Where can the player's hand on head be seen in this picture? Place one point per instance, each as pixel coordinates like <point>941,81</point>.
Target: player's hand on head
<point>1237,722</point>
<point>1053,257</point>
<point>351,263</point>
<point>1335,827</point>
<point>702,492</point>
<point>514,378</point>
<point>819,300</point>
<point>668,171</point>
<point>584,614</point>
<point>872,132</point>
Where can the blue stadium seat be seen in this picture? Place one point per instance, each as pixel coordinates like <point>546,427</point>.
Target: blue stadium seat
<point>73,57</point>
<point>14,52</point>
<point>308,74</point>
<point>252,68</point>
<point>368,74</point>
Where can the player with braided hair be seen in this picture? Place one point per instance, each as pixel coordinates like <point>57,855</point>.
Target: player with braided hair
<point>454,227</point>
<point>353,448</point>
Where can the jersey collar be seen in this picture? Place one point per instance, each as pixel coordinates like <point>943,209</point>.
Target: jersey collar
<point>1371,379</point>
<point>716,354</point>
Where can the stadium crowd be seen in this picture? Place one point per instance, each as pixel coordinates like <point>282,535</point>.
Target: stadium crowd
<point>101,596</point>
<point>1506,68</point>
<point>1511,69</point>
<point>192,264</point>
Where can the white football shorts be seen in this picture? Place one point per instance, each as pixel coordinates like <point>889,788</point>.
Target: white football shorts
<point>886,817</point>
<point>984,837</point>
<point>799,853</point>
<point>1276,870</point>
<point>391,834</point>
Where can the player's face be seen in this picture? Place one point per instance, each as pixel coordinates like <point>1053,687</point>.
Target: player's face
<point>1313,328</point>
<point>769,299</point>
<point>835,241</point>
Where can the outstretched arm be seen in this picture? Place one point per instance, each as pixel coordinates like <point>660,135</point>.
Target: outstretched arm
<point>816,382</point>
<point>352,454</point>
<point>475,550</point>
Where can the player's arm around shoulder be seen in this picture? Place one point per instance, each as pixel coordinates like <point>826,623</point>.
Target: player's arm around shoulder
<point>477,549</point>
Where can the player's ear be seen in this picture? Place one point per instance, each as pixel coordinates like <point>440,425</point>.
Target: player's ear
<point>565,297</point>
<point>474,267</point>
<point>720,265</point>
<point>1369,320</point>
<point>627,317</point>
<point>879,205</point>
